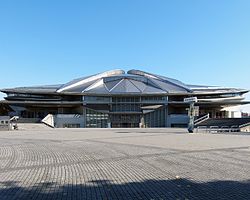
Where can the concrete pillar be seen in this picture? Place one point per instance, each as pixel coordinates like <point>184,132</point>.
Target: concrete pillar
<point>84,116</point>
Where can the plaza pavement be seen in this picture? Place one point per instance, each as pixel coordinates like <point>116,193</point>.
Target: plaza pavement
<point>123,164</point>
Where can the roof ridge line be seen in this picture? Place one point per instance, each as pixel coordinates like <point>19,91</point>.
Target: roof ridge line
<point>116,85</point>
<point>134,85</point>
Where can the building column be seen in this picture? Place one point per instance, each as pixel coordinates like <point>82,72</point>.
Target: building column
<point>167,122</point>
<point>84,116</point>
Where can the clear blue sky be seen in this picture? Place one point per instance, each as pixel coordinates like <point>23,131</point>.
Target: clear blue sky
<point>195,41</point>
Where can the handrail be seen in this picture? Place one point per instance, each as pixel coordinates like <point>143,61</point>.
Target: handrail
<point>216,129</point>
<point>201,119</point>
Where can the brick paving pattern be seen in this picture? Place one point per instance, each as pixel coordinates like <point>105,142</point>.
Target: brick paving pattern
<point>123,164</point>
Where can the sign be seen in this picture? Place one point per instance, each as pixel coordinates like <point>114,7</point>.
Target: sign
<point>196,110</point>
<point>192,111</point>
<point>190,99</point>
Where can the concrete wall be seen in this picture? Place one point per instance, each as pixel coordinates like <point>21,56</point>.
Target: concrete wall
<point>177,119</point>
<point>245,129</point>
<point>232,112</point>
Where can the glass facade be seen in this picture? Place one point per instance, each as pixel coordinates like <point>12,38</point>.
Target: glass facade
<point>125,99</point>
<point>96,99</point>
<point>154,98</point>
<point>125,120</point>
<point>96,119</point>
<point>126,107</point>
<point>155,119</point>
<point>124,111</point>
<point>126,104</point>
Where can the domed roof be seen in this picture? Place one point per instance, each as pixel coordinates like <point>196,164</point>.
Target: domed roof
<point>119,82</point>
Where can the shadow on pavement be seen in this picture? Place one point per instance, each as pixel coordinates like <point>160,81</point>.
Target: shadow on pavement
<point>147,189</point>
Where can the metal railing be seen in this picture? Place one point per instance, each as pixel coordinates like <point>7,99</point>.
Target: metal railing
<point>217,129</point>
<point>201,119</point>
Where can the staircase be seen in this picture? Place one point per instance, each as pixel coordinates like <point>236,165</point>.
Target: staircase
<point>223,124</point>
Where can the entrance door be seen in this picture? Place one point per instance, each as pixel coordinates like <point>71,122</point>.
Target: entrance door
<point>125,120</point>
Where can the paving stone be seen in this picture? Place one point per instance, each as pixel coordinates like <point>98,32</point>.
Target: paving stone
<point>123,164</point>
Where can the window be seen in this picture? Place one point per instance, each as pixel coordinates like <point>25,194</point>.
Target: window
<point>71,125</point>
<point>96,98</point>
<point>96,119</point>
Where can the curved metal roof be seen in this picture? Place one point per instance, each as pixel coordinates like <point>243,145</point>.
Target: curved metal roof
<point>118,82</point>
